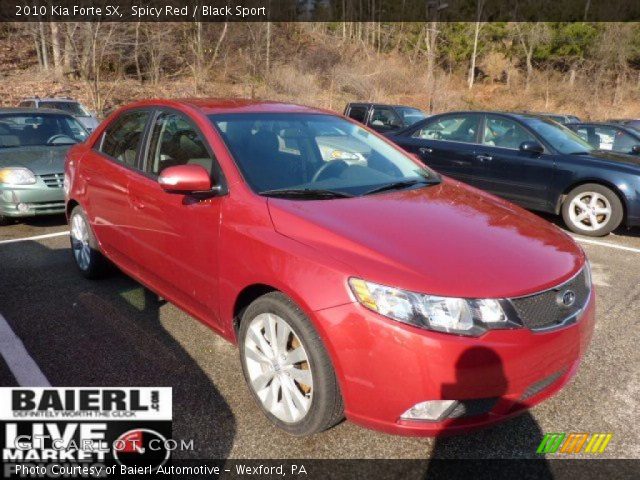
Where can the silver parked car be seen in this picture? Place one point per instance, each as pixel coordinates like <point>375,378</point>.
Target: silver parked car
<point>67,105</point>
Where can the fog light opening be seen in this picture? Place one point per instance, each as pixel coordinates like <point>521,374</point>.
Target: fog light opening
<point>432,410</point>
<point>22,207</point>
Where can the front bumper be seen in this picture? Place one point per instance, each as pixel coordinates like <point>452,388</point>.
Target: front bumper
<point>385,367</point>
<point>37,199</point>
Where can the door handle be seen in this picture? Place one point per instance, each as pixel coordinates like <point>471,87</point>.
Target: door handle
<point>425,150</point>
<point>484,158</point>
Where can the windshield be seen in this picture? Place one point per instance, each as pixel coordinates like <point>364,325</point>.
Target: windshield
<point>411,115</point>
<point>73,108</point>
<point>312,153</point>
<point>558,136</point>
<point>28,130</point>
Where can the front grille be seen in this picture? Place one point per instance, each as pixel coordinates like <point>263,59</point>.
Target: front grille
<point>53,180</point>
<point>43,207</point>
<point>547,310</point>
<point>541,385</point>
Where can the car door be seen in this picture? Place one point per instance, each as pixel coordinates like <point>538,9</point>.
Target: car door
<point>106,171</point>
<point>447,144</point>
<point>176,235</point>
<point>523,177</point>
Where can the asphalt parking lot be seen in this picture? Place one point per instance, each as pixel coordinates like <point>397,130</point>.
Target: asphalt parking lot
<point>113,332</point>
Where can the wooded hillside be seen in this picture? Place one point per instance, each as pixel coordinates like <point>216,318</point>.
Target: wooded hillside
<point>588,69</point>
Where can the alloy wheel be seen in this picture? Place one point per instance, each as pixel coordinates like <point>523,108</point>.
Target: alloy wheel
<point>590,211</point>
<point>80,241</point>
<point>278,368</point>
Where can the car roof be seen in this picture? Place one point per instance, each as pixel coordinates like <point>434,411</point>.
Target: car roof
<point>516,115</point>
<point>50,99</point>
<point>209,106</point>
<point>34,111</point>
<point>392,105</point>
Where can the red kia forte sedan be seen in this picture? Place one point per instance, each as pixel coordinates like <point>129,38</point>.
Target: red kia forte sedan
<point>355,281</point>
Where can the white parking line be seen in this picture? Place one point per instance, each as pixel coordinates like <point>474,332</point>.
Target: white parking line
<point>606,244</point>
<point>22,366</point>
<point>37,237</point>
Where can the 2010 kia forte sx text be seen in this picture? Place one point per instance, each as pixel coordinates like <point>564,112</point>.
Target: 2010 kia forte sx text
<point>355,281</point>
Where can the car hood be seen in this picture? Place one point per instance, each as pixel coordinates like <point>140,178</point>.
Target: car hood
<point>449,240</point>
<point>40,160</point>
<point>615,157</point>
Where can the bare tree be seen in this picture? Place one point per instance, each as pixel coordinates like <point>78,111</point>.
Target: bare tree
<point>474,53</point>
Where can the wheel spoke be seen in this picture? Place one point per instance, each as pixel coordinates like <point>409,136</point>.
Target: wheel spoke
<point>603,211</point>
<point>284,331</point>
<point>288,400</point>
<point>258,339</point>
<point>301,402</point>
<point>583,216</point>
<point>270,333</point>
<point>261,381</point>
<point>271,400</point>
<point>302,376</point>
<point>252,352</point>
<point>296,356</point>
<point>593,220</point>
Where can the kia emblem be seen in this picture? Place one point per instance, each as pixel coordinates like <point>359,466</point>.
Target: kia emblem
<point>567,298</point>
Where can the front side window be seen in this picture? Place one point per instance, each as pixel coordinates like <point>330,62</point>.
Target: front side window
<point>30,130</point>
<point>504,133</point>
<point>384,118</point>
<point>453,128</point>
<point>175,141</point>
<point>558,136</point>
<point>313,152</point>
<point>411,115</point>
<point>121,140</point>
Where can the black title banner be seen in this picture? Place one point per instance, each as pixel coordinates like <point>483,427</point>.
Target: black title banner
<point>318,10</point>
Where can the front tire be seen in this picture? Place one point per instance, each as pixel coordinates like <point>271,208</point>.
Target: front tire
<point>287,368</point>
<point>84,246</point>
<point>593,210</point>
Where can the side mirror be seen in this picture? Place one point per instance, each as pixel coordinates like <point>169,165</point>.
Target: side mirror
<point>635,149</point>
<point>532,147</point>
<point>185,179</point>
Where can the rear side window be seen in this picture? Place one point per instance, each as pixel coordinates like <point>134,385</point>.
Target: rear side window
<point>121,141</point>
<point>175,141</point>
<point>358,113</point>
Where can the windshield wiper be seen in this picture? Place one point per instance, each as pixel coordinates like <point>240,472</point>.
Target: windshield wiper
<point>309,193</point>
<point>402,184</point>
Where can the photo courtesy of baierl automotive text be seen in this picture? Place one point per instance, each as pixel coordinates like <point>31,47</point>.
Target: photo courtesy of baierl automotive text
<point>320,239</point>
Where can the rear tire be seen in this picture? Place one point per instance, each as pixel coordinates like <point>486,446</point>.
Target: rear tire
<point>84,246</point>
<point>287,368</point>
<point>592,210</point>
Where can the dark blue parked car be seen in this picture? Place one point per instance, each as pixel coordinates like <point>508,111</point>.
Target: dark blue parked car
<point>532,161</point>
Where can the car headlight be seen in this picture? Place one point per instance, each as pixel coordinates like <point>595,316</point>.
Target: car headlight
<point>17,176</point>
<point>461,316</point>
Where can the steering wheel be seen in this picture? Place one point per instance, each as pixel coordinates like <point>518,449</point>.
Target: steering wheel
<point>332,168</point>
<point>59,136</point>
